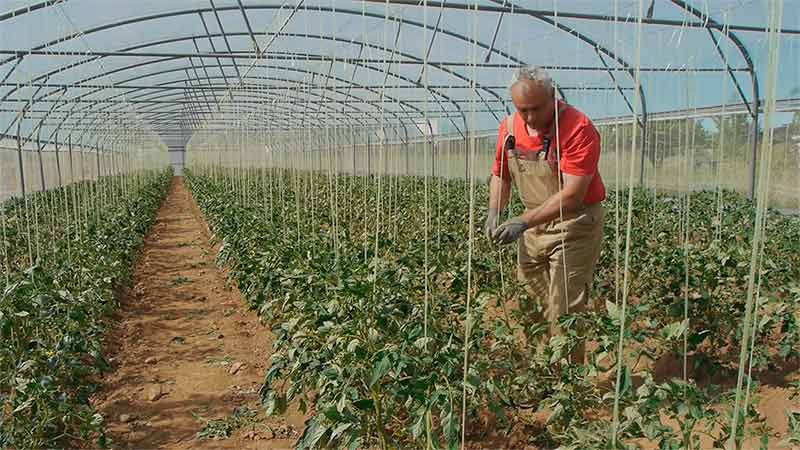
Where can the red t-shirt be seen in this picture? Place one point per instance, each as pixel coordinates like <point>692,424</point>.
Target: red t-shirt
<point>580,149</point>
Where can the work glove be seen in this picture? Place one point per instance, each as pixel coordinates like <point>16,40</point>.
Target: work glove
<point>491,223</point>
<point>510,231</point>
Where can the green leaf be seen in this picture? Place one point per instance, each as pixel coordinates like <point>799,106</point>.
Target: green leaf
<point>674,330</point>
<point>312,435</point>
<point>422,342</point>
<point>419,425</point>
<point>332,414</point>
<point>340,429</point>
<point>625,382</point>
<point>274,403</point>
<point>696,339</point>
<point>23,406</point>
<point>381,369</point>
<point>612,309</point>
<point>365,404</point>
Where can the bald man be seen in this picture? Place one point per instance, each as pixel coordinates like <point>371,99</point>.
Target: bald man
<point>550,151</point>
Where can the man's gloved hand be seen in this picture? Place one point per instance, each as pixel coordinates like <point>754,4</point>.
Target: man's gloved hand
<point>491,223</point>
<point>510,231</point>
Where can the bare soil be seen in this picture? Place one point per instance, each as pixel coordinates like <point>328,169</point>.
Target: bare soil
<point>185,350</point>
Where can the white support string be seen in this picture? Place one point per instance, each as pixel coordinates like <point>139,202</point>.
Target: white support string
<point>762,200</point>
<point>426,177</point>
<point>468,320</point>
<point>617,186</point>
<point>624,303</point>
<point>722,131</point>
<point>689,158</point>
<point>426,301</point>
<point>6,261</point>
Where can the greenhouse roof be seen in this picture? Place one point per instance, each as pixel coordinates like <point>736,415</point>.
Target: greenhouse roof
<point>172,67</point>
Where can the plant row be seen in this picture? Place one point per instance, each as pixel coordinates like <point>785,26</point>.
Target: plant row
<point>365,280</point>
<point>65,252</point>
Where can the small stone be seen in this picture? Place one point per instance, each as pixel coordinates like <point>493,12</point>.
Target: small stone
<point>269,434</point>
<point>125,418</point>
<point>153,393</point>
<point>220,336</point>
<point>282,431</point>
<point>151,360</point>
<point>235,368</point>
<point>136,436</point>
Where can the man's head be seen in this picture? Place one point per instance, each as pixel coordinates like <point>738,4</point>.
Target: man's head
<point>533,95</point>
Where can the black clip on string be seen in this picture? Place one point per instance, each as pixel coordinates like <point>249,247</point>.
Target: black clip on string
<point>511,142</point>
<point>546,147</point>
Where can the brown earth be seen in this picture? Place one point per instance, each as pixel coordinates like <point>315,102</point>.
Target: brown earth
<point>184,349</point>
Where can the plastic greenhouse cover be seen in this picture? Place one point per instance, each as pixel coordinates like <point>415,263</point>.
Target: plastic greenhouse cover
<point>370,56</point>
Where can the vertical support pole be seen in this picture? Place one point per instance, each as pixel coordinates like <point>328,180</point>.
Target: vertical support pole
<point>644,153</point>
<point>19,155</point>
<point>466,157</point>
<point>97,158</point>
<point>98,187</point>
<point>645,134</point>
<point>407,150</point>
<point>58,163</point>
<point>22,183</point>
<point>71,165</point>
<point>434,169</point>
<point>751,187</point>
<point>42,183</point>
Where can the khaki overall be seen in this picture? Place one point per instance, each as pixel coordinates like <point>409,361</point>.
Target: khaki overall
<point>556,261</point>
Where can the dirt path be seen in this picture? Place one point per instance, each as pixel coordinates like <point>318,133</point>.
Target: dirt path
<point>187,356</point>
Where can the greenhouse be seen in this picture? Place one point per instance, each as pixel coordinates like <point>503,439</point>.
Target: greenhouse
<point>397,224</point>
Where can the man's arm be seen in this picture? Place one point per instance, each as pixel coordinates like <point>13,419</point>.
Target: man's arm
<point>499,191</point>
<point>569,199</point>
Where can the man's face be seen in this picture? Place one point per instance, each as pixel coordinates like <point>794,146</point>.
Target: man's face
<point>534,104</point>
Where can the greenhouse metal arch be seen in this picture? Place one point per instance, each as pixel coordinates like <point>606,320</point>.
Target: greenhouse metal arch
<point>546,16</point>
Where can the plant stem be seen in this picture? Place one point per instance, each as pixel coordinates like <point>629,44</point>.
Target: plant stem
<point>376,398</point>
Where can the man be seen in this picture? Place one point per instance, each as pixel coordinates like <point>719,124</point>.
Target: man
<point>550,151</point>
